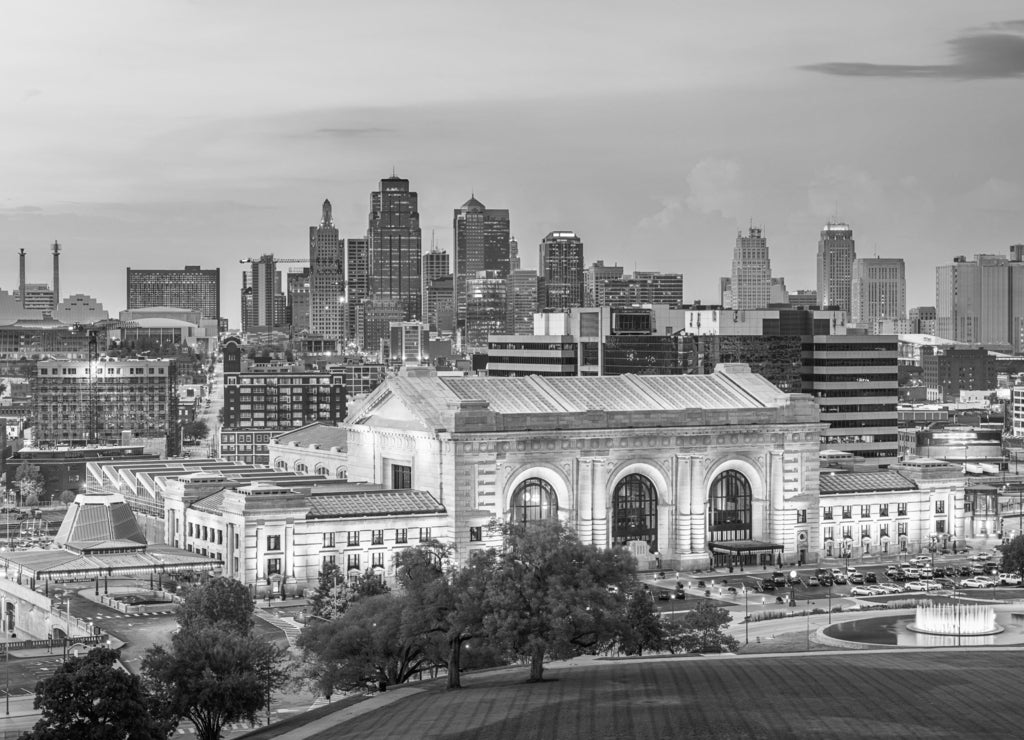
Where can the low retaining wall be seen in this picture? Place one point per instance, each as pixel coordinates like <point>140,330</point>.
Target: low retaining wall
<point>165,601</point>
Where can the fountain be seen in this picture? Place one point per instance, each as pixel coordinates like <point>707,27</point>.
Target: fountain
<point>956,619</point>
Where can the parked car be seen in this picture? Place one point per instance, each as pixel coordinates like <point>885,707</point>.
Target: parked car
<point>792,580</point>
<point>870,577</point>
<point>965,570</point>
<point>863,591</point>
<point>890,588</point>
<point>813,581</point>
<point>767,585</point>
<point>779,577</point>
<point>892,570</point>
<point>840,579</point>
<point>857,578</point>
<point>975,583</point>
<point>1009,579</point>
<point>899,576</point>
<point>664,594</point>
<point>826,580</point>
<point>916,586</point>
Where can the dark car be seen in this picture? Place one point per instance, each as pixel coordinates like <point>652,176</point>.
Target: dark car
<point>857,578</point>
<point>779,577</point>
<point>664,594</point>
<point>991,569</point>
<point>840,579</point>
<point>793,580</point>
<point>870,578</point>
<point>826,580</point>
<point>767,585</point>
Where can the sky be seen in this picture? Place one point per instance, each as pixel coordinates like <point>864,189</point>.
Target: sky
<point>155,134</point>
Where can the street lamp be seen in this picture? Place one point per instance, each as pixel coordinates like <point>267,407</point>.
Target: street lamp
<point>746,615</point>
<point>792,588</point>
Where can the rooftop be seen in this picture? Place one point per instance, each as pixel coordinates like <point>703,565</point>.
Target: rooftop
<point>372,503</point>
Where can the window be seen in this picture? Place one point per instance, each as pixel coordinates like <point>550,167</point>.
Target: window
<point>901,509</point>
<point>190,529</point>
<point>533,500</point>
<point>968,506</point>
<point>476,534</point>
<point>865,511</point>
<point>353,538</point>
<point>424,534</point>
<point>273,542</point>
<point>940,507</point>
<point>378,559</point>
<point>328,539</point>
<point>847,512</point>
<point>847,532</point>
<point>829,533</point>
<point>635,511</point>
<point>401,476</point>
<point>353,561</point>
<point>273,566</point>
<point>865,531</point>
<point>901,529</point>
<point>401,536</point>
<point>378,537</point>
<point>940,526</point>
<point>883,530</point>
<point>801,516</point>
<point>328,560</point>
<point>205,533</point>
<point>883,511</point>
<point>826,513</point>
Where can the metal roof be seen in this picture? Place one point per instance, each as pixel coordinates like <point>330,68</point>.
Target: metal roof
<point>372,503</point>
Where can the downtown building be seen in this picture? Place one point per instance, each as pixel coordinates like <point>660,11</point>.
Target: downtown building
<point>191,288</point>
<point>327,302</point>
<point>751,283</point>
<point>982,301</point>
<point>436,266</point>
<point>261,400</point>
<point>561,271</point>
<point>878,293</point>
<point>394,247</point>
<point>263,302</point>
<point>482,242</point>
<point>72,406</point>
<point>836,254</point>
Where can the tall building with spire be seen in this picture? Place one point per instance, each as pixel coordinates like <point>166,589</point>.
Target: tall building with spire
<point>836,254</point>
<point>327,302</point>
<point>751,282</point>
<point>394,246</point>
<point>482,242</point>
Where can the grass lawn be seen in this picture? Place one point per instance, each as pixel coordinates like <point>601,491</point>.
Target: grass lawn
<point>897,694</point>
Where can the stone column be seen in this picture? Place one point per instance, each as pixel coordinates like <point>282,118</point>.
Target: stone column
<point>599,509</point>
<point>775,482</point>
<point>682,501</point>
<point>585,499</point>
<point>698,498</point>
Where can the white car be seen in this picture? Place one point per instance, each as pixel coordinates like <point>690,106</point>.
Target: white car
<point>863,591</point>
<point>1009,579</point>
<point>976,583</point>
<point>922,586</point>
<point>890,588</point>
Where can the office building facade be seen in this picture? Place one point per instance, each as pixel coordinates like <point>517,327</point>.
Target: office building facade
<point>481,238</point>
<point>192,288</point>
<point>486,307</point>
<point>981,301</point>
<point>561,271</point>
<point>327,300</point>
<point>750,286</point>
<point>878,292</point>
<point>394,246</point>
<point>836,253</point>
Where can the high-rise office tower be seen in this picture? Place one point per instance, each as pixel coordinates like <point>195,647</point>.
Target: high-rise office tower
<point>522,301</point>
<point>193,288</point>
<point>357,283</point>
<point>395,246</point>
<point>981,301</point>
<point>836,254</point>
<point>878,291</point>
<point>922,319</point>
<point>561,270</point>
<point>514,263</point>
<point>263,301</point>
<point>486,307</point>
<point>326,278</point>
<point>440,316</point>
<point>435,265</point>
<point>594,278</point>
<point>751,282</point>
<point>481,239</point>
<point>298,299</point>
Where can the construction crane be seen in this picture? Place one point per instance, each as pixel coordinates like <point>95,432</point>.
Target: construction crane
<point>249,260</point>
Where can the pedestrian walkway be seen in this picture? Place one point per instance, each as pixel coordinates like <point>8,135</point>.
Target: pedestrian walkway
<point>288,625</point>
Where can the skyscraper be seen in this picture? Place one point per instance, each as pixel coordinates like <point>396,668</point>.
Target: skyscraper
<point>298,299</point>
<point>326,278</point>
<point>836,254</point>
<point>394,246</point>
<point>481,239</point>
<point>514,263</point>
<point>981,301</point>
<point>193,288</point>
<point>878,291</point>
<point>357,283</point>
<point>751,282</point>
<point>594,278</point>
<point>263,302</point>
<point>435,265</point>
<point>522,301</point>
<point>561,270</point>
<point>486,307</point>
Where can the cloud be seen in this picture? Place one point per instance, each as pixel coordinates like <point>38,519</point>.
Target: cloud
<point>714,187</point>
<point>351,132</point>
<point>996,195</point>
<point>976,56</point>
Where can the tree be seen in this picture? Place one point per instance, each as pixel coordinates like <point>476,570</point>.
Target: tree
<point>642,628</point>
<point>67,497</point>
<point>214,676</point>
<point>91,697</point>
<point>548,595</point>
<point>366,584</point>
<point>29,481</point>
<point>327,601</point>
<point>366,646</point>
<point>1013,556</point>
<point>702,629</point>
<point>32,499</point>
<point>197,429</point>
<point>443,602</point>
<point>220,602</point>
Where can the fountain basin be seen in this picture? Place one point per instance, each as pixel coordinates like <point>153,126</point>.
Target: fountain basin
<point>956,619</point>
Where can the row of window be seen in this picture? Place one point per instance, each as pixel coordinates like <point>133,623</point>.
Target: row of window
<point>353,538</point>
<point>883,510</point>
<point>902,529</point>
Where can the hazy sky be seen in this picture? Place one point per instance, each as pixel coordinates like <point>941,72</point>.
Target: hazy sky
<point>159,134</point>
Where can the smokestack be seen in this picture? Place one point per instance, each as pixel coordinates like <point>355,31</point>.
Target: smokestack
<point>21,276</point>
<point>56,274</point>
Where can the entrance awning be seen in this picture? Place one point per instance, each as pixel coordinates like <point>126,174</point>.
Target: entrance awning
<point>744,546</point>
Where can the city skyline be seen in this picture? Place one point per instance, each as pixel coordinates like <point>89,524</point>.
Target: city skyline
<point>129,149</point>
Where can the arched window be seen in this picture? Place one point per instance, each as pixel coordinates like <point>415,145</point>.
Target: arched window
<point>730,507</point>
<point>635,511</point>
<point>534,500</point>
<point>281,465</point>
<point>322,470</point>
<point>301,468</point>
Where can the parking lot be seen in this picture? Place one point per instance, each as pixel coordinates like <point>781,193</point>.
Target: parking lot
<point>975,574</point>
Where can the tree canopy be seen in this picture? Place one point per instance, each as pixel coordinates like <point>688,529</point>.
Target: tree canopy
<point>702,629</point>
<point>220,602</point>
<point>1013,555</point>
<point>91,697</point>
<point>548,595</point>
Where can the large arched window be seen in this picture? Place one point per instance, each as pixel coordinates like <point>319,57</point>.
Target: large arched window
<point>730,504</point>
<point>534,500</point>
<point>635,511</point>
